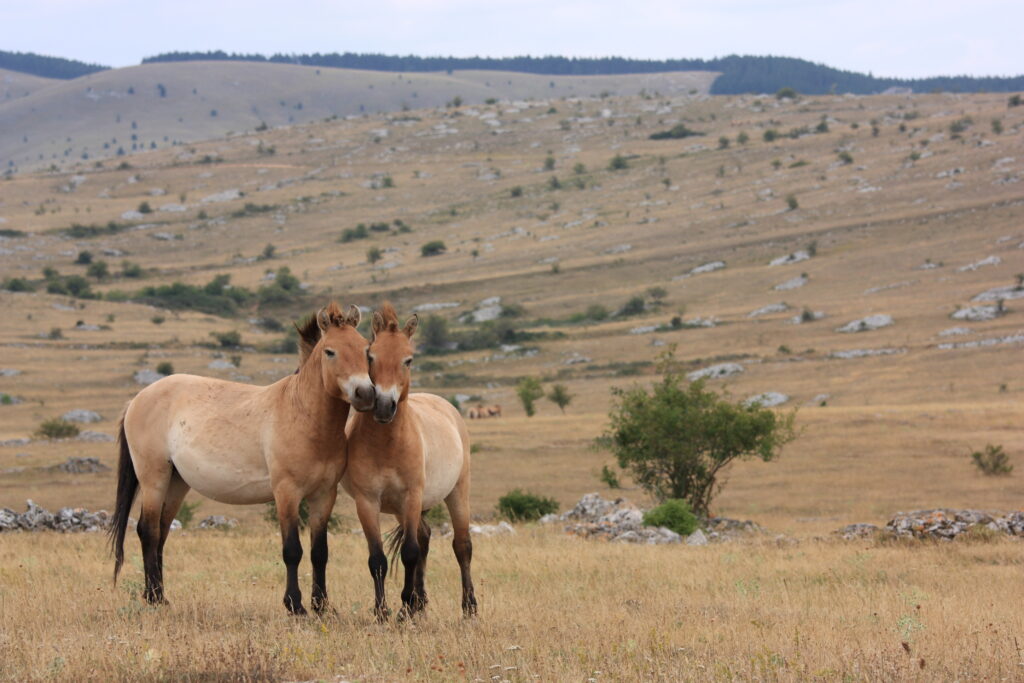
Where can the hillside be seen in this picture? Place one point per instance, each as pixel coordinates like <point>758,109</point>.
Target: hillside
<point>903,206</point>
<point>155,106</point>
<point>15,84</point>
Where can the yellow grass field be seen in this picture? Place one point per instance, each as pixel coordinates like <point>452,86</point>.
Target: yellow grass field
<point>924,217</point>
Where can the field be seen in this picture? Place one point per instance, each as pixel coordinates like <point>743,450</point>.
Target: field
<point>905,205</point>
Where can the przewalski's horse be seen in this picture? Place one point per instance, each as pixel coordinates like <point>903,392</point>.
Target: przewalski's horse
<point>243,444</point>
<point>412,454</point>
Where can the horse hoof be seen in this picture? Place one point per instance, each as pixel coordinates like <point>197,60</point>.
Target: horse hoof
<point>382,615</point>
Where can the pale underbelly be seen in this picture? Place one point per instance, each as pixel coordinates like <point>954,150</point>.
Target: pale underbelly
<point>237,478</point>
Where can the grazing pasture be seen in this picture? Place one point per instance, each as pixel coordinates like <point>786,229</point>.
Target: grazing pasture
<point>884,305</point>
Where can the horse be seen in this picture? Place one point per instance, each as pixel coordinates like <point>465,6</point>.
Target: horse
<point>243,444</point>
<point>494,410</point>
<point>475,413</point>
<point>405,458</point>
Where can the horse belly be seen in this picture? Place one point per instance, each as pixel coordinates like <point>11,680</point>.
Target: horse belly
<point>442,472</point>
<point>236,474</point>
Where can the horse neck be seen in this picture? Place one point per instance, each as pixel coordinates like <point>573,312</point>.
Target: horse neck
<point>306,396</point>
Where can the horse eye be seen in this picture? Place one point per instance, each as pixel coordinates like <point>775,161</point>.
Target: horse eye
<point>408,362</point>
<point>329,352</point>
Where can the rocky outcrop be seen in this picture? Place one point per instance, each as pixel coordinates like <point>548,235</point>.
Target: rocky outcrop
<point>81,466</point>
<point>65,520</point>
<point>941,524</point>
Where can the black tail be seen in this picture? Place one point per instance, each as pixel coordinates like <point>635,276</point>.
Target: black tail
<point>394,540</point>
<point>127,487</point>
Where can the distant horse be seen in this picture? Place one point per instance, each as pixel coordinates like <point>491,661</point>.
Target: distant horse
<point>473,414</point>
<point>243,444</point>
<point>413,454</point>
<point>493,410</point>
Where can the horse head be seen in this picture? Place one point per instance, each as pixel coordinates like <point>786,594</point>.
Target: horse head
<point>390,356</point>
<point>343,363</point>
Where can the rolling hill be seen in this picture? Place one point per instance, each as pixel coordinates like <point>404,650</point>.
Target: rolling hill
<point>155,106</point>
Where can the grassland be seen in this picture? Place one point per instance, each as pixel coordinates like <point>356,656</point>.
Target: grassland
<point>893,432</point>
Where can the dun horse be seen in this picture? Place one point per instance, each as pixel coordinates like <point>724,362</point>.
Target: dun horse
<point>242,444</point>
<point>410,456</point>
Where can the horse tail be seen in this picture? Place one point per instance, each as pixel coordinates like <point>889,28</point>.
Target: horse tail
<point>394,540</point>
<point>127,487</point>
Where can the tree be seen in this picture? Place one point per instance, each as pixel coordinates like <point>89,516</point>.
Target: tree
<point>529,390</point>
<point>99,270</point>
<point>373,254</point>
<point>677,440</point>
<point>433,248</point>
<point>433,333</point>
<point>560,396</point>
<point>618,163</point>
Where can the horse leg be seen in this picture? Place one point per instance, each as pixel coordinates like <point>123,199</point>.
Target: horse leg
<point>412,602</point>
<point>287,501</point>
<point>421,567</point>
<point>176,491</point>
<point>154,493</point>
<point>369,517</point>
<point>321,504</point>
<point>458,508</point>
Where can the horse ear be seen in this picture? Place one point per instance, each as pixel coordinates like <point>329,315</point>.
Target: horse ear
<point>410,325</point>
<point>323,319</point>
<point>378,323</point>
<point>353,316</point>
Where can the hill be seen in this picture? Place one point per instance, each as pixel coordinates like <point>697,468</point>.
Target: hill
<point>15,84</point>
<point>156,106</point>
<point>46,67</point>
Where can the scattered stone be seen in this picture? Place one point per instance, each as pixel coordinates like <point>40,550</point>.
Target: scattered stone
<point>131,216</point>
<point>715,371</point>
<point>854,532</point>
<point>163,236</point>
<point>643,329</point>
<point>941,524</point>
<point>81,466</point>
<point>618,249</point>
<point>703,268</point>
<point>977,313</point>
<point>871,322</point>
<point>86,327</point>
<point>81,415</point>
<point>768,399</point>
<point>435,306</point>
<point>499,529</point>
<point>1008,293</point>
<point>225,196</point>
<point>819,399</point>
<point>894,285</point>
<point>770,308</point>
<point>146,376</point>
<point>697,538</point>
<point>488,309</point>
<point>989,261</point>
<point>95,437</point>
<point>795,257</point>
<point>218,522</point>
<point>23,441</point>
<point>221,364</point>
<point>865,353</point>
<point>954,331</point>
<point>9,372</point>
<point>65,520</point>
<point>992,341</point>
<point>800,319</point>
<point>577,358</point>
<point>796,283</point>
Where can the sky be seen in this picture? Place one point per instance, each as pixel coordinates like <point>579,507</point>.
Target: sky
<point>898,38</point>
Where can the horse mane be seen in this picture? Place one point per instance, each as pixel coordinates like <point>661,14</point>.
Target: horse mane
<point>388,316</point>
<point>309,335</point>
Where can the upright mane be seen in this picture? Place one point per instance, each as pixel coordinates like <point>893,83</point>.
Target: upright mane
<point>388,317</point>
<point>309,335</point>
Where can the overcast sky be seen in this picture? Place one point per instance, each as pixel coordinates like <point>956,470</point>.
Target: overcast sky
<point>904,38</point>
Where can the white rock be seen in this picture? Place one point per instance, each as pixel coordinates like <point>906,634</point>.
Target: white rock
<point>871,322</point>
<point>1008,293</point>
<point>221,364</point>
<point>976,313</point>
<point>795,283</point>
<point>768,399</point>
<point>697,538</point>
<point>225,196</point>
<point>954,331</point>
<point>770,308</point>
<point>715,371</point>
<point>131,216</point>
<point>795,257</point>
<point>147,376</point>
<point>81,415</point>
<point>421,308</point>
<point>864,353</point>
<point>988,261</point>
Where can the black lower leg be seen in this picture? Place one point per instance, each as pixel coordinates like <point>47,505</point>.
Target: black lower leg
<point>378,570</point>
<point>149,537</point>
<point>410,559</point>
<point>421,566</point>
<point>292,554</point>
<point>464,554</point>
<point>318,556</point>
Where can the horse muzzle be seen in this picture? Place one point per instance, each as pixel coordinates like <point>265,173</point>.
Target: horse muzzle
<point>363,398</point>
<point>384,409</point>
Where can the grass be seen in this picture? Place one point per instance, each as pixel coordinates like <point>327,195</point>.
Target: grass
<point>551,607</point>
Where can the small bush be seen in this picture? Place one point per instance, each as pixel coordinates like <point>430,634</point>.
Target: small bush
<point>157,320</point>
<point>1014,101</point>
<point>57,428</point>
<point>132,270</point>
<point>521,506</point>
<point>634,306</point>
<point>770,135</point>
<point>99,270</point>
<point>618,163</point>
<point>84,258</point>
<point>165,368</point>
<point>845,157</point>
<point>993,461</point>
<point>433,248</point>
<point>792,203</point>
<point>675,133</point>
<point>186,512</point>
<point>437,515</point>
<point>529,390</point>
<point>144,207</point>
<point>516,191</point>
<point>228,340</point>
<point>373,254</point>
<point>609,477</point>
<point>786,93</point>
<point>18,284</point>
<point>673,514</point>
<point>270,514</point>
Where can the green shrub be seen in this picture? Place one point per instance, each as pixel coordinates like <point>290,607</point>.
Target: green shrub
<point>673,514</point>
<point>521,506</point>
<point>609,477</point>
<point>743,138</point>
<point>57,428</point>
<point>529,390</point>
<point>560,396</point>
<point>165,368</point>
<point>433,248</point>
<point>635,306</point>
<point>373,254</point>
<point>437,515</point>
<point>786,93</point>
<point>993,461</point>
<point>516,191</point>
<point>618,163</point>
<point>144,207</point>
<point>676,132</point>
<point>99,270</point>
<point>792,203</point>
<point>84,258</point>
<point>228,340</point>
<point>770,135</point>
<point>845,157</point>
<point>132,270</point>
<point>18,284</point>
<point>270,514</point>
<point>186,512</point>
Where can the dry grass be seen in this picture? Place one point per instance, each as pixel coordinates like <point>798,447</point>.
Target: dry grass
<point>894,433</point>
